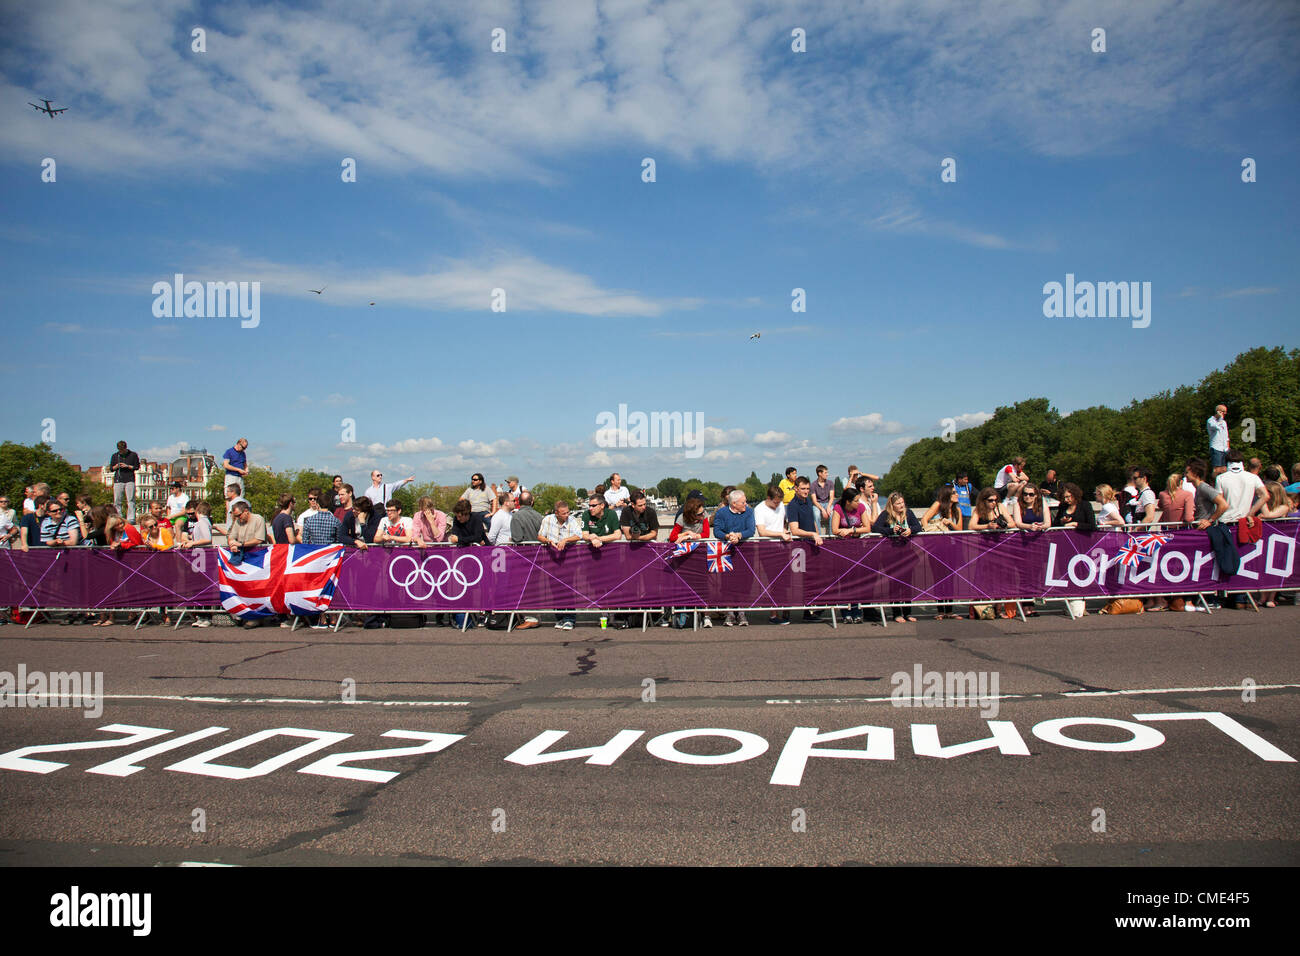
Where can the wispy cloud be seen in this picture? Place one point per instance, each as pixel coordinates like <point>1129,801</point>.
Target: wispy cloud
<point>873,422</point>
<point>1249,290</point>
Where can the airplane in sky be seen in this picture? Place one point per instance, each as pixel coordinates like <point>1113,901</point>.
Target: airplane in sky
<point>46,108</point>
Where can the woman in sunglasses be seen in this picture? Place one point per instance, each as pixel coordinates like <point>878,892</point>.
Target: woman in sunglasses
<point>1028,510</point>
<point>987,514</point>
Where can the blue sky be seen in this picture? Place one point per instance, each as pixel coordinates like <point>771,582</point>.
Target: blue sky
<point>521,170</point>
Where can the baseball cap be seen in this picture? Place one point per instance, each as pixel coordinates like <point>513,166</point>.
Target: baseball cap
<point>695,493</point>
<point>514,478</point>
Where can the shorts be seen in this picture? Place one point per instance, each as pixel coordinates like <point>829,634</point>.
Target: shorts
<point>1218,459</point>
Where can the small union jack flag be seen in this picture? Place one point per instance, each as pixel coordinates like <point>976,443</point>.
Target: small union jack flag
<point>1137,550</point>
<point>719,556</point>
<point>1150,543</point>
<point>684,547</point>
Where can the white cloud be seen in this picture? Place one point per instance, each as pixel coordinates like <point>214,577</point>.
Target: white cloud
<point>967,420</point>
<point>1250,290</point>
<point>164,452</point>
<point>772,438</point>
<point>697,78</point>
<point>873,422</point>
<point>529,284</point>
<point>492,449</point>
<point>216,428</point>
<point>714,437</point>
<point>335,399</point>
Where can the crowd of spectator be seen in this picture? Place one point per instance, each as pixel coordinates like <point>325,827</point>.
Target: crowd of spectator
<point>1223,491</point>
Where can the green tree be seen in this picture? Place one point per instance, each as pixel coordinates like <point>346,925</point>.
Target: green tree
<point>545,496</point>
<point>671,487</point>
<point>22,465</point>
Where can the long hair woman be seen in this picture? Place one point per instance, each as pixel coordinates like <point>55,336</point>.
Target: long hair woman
<point>944,515</point>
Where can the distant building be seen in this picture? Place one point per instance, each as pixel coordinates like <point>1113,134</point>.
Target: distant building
<point>193,466</point>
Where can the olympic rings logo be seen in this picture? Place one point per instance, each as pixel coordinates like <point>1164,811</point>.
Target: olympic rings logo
<point>450,573</point>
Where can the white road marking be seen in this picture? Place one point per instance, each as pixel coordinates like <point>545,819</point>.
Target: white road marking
<point>195,863</point>
<point>254,700</point>
<point>1042,696</point>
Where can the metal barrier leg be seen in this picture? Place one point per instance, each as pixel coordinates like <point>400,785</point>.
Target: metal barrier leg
<point>1251,598</point>
<point>1069,610</point>
<point>1021,611</point>
<point>35,615</point>
<point>695,620</point>
<point>510,624</point>
<point>645,617</point>
<point>180,617</point>
<point>1204,603</point>
<point>881,609</point>
<point>834,626</point>
<point>294,626</point>
<point>140,620</point>
<point>338,621</point>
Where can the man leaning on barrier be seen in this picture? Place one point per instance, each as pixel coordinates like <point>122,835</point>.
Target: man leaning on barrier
<point>734,524</point>
<point>559,530</point>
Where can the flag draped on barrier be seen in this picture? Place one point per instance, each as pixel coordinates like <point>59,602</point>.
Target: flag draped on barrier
<point>291,579</point>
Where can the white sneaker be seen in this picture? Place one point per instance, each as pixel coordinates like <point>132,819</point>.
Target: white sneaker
<point>201,622</point>
<point>729,620</point>
<point>559,625</point>
<point>567,625</point>
<point>707,622</point>
<point>743,621</point>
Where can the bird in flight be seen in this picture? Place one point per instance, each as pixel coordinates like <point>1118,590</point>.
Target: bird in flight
<point>320,290</point>
<point>46,108</point>
<point>756,335</point>
<point>372,303</point>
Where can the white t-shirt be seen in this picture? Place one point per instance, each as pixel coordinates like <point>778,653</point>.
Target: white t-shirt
<point>499,530</point>
<point>403,527</point>
<point>29,505</point>
<point>614,498</point>
<point>176,504</point>
<point>769,519</point>
<point>305,513</point>
<point>200,530</point>
<point>1238,488</point>
<point>1138,508</point>
<point>6,525</point>
<point>1108,509</point>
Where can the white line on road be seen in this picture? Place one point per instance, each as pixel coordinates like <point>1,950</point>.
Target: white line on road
<point>248,700</point>
<point>1068,693</point>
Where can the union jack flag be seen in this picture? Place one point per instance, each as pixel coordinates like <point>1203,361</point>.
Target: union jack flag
<point>281,579</point>
<point>684,547</point>
<point>1150,543</point>
<point>1132,553</point>
<point>719,556</point>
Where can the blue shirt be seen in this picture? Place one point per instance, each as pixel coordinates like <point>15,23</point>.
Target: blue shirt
<point>236,458</point>
<point>964,493</point>
<point>726,521</point>
<point>802,511</point>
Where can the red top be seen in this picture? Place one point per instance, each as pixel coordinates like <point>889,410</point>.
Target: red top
<point>131,537</point>
<point>677,529</point>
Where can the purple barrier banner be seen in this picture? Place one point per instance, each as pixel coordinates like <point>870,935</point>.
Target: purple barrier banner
<point>965,568</point>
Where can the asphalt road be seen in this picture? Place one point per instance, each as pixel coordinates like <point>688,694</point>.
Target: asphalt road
<point>1188,792</point>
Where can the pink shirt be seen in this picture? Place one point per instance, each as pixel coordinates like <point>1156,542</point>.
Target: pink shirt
<point>851,520</point>
<point>1177,507</point>
<point>439,530</point>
